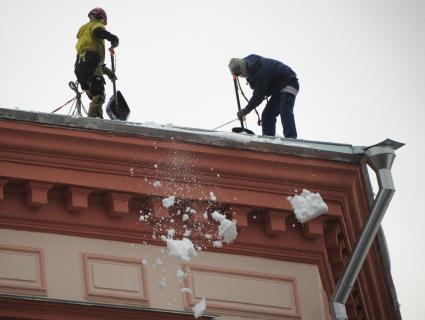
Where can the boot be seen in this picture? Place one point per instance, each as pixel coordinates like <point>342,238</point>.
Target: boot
<point>95,108</point>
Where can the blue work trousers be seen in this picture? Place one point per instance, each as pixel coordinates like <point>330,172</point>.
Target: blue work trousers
<point>282,104</point>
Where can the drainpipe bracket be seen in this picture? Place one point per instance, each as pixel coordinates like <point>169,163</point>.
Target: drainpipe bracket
<point>338,311</point>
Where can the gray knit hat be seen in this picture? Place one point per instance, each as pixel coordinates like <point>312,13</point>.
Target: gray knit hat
<point>237,66</point>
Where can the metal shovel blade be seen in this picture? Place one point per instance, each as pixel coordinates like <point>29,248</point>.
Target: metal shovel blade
<point>240,130</point>
<point>117,108</point>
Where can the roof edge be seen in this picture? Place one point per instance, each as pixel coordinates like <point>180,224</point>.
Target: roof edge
<point>303,148</point>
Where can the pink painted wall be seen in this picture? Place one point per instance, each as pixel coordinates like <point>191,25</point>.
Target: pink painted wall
<point>82,269</point>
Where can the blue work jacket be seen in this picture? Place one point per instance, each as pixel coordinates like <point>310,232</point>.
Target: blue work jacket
<point>266,77</point>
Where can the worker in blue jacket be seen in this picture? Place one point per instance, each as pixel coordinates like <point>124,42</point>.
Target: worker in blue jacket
<point>269,77</point>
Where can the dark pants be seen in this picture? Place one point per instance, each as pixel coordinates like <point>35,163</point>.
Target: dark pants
<point>85,71</point>
<point>281,103</point>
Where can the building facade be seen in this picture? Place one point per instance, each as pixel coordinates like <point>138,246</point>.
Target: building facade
<point>83,216</point>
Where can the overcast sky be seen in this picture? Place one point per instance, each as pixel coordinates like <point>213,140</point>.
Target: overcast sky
<point>361,66</point>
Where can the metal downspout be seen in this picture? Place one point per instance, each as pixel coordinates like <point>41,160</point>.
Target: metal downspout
<point>380,157</point>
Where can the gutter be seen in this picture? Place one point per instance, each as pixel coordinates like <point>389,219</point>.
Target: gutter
<point>380,158</point>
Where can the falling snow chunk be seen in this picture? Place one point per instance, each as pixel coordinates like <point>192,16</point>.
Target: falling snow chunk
<point>190,210</point>
<point>180,274</point>
<point>145,262</point>
<point>187,233</point>
<point>185,217</point>
<point>217,244</point>
<point>205,215</point>
<point>182,249</point>
<point>157,184</point>
<point>186,290</point>
<point>212,197</point>
<point>162,284</point>
<point>218,216</point>
<point>155,166</point>
<point>199,308</point>
<point>171,233</point>
<point>168,202</point>
<point>307,205</point>
<point>226,229</point>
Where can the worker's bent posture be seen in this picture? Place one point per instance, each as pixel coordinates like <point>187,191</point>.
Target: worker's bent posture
<point>269,77</point>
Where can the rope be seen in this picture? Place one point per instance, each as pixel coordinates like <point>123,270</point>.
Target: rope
<point>68,102</point>
<point>225,124</point>
<point>75,100</point>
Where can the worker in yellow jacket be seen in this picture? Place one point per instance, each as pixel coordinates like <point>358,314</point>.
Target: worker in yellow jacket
<point>90,65</point>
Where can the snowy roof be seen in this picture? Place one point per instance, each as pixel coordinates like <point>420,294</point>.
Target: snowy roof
<point>305,148</point>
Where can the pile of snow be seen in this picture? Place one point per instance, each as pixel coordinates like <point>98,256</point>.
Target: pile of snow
<point>169,201</point>
<point>182,249</point>
<point>226,229</point>
<point>238,137</point>
<point>199,308</point>
<point>307,205</point>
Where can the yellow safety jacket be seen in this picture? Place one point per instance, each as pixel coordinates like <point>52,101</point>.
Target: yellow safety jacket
<point>88,42</point>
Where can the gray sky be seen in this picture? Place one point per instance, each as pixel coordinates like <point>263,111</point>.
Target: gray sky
<point>361,66</point>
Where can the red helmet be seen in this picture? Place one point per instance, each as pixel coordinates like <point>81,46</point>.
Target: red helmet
<point>98,13</point>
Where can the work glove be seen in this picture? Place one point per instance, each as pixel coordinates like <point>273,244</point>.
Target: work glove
<point>242,113</point>
<point>115,41</point>
<point>111,75</point>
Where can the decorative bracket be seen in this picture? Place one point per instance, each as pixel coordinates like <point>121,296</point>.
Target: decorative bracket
<point>240,214</point>
<point>313,228</point>
<point>77,198</point>
<point>276,221</point>
<point>36,193</point>
<point>118,203</point>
